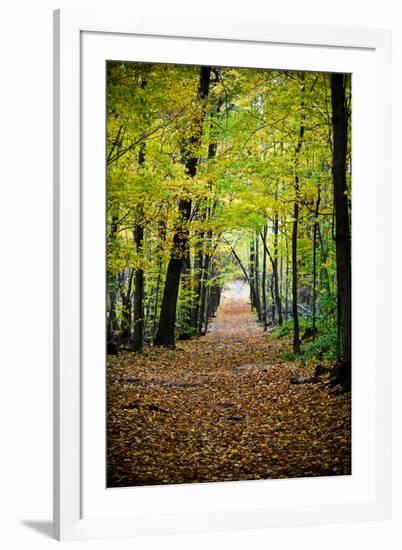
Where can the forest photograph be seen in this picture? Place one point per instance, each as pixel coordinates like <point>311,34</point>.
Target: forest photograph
<point>228,274</point>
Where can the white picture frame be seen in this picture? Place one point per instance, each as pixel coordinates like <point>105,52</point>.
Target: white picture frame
<point>83,507</point>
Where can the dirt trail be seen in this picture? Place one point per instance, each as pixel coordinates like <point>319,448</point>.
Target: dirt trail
<point>234,318</point>
<point>221,408</point>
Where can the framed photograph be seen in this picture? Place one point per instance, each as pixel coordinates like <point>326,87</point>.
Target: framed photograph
<point>222,275</point>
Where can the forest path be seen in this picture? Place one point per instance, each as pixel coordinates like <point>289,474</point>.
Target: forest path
<point>234,318</point>
<point>221,407</point>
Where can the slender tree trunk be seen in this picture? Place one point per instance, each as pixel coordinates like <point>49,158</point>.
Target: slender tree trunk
<point>272,289</point>
<point>323,258</point>
<point>200,258</point>
<point>212,298</point>
<point>138,332</point>
<point>167,319</point>
<point>281,277</point>
<point>187,286</point>
<point>253,290</point>
<point>156,301</point>
<point>165,335</point>
<point>295,313</point>
<point>315,245</point>
<point>342,230</point>
<point>264,280</point>
<point>127,307</point>
<point>203,314</point>
<point>244,270</point>
<point>275,271</point>
<point>159,249</point>
<point>287,280</point>
<point>257,278</point>
<point>296,333</point>
<point>112,285</point>
<point>274,284</point>
<point>138,329</point>
<point>111,320</point>
<point>198,273</point>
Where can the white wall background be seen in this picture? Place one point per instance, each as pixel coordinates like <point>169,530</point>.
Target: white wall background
<point>26,272</point>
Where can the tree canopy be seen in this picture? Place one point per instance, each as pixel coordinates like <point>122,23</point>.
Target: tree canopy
<point>225,173</point>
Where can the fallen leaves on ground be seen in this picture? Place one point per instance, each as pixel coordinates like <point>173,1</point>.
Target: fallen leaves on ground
<point>221,408</point>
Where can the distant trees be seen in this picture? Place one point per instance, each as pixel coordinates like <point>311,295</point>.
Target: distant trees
<point>215,173</point>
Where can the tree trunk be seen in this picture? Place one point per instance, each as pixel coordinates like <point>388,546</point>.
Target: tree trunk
<point>274,283</point>
<point>201,256</point>
<point>112,285</point>
<point>315,245</point>
<point>253,292</point>
<point>244,270</point>
<point>296,334</point>
<point>165,335</point>
<point>257,278</point>
<point>342,231</point>
<point>198,274</point>
<point>186,312</point>
<point>281,278</point>
<point>295,313</point>
<point>323,258</point>
<point>275,272</point>
<point>271,286</point>
<point>159,254</point>
<point>126,308</point>
<point>287,280</point>
<point>138,332</point>
<point>264,281</point>
<point>156,300</point>
<point>203,314</point>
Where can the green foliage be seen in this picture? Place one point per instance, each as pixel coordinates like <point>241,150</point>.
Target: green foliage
<point>253,118</point>
<point>323,347</point>
<point>286,328</point>
<point>288,356</point>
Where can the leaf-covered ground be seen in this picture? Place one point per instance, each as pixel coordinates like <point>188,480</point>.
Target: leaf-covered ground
<point>222,408</point>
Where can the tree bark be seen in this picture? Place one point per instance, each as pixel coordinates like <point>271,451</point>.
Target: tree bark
<point>165,335</point>
<point>185,330</point>
<point>112,286</point>
<point>257,278</point>
<point>323,259</point>
<point>274,283</point>
<point>198,274</point>
<point>203,314</point>
<point>287,280</point>
<point>275,271</point>
<point>138,331</point>
<point>138,322</point>
<point>342,230</point>
<point>159,248</point>
<point>315,246</point>
<point>251,268</point>
<point>296,332</point>
<point>264,280</point>
<point>126,308</point>
<point>295,313</point>
<point>201,260</point>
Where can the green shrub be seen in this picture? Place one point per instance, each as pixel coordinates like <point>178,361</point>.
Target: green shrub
<point>287,355</point>
<point>323,347</point>
<point>286,328</point>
